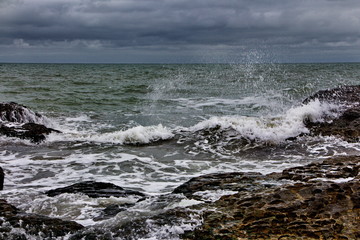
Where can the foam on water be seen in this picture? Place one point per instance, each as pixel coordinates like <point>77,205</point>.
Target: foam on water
<point>134,136</point>
<point>102,109</point>
<point>273,129</point>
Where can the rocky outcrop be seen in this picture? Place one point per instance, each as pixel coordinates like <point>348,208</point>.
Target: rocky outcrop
<point>32,224</point>
<point>20,122</point>
<point>347,124</point>
<point>16,113</point>
<point>95,190</point>
<point>316,201</point>
<point>344,95</point>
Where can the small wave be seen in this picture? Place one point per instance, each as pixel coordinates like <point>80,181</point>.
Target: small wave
<point>134,136</point>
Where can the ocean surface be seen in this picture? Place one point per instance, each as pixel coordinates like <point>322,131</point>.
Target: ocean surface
<point>151,128</point>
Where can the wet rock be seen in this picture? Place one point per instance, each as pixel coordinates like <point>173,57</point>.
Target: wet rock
<point>332,169</point>
<point>32,224</point>
<point>16,113</point>
<point>2,175</point>
<point>20,122</point>
<point>95,190</point>
<point>347,124</point>
<point>295,211</point>
<point>235,181</point>
<point>113,210</point>
<point>319,201</point>
<point>34,132</point>
<point>344,94</point>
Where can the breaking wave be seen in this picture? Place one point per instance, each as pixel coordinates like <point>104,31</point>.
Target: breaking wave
<point>134,136</point>
<point>230,134</point>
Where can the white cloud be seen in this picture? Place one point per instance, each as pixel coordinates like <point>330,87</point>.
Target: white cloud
<point>20,43</point>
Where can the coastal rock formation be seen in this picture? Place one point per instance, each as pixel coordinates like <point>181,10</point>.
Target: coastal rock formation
<point>16,113</point>
<point>32,224</point>
<point>20,122</point>
<point>347,95</point>
<point>347,124</point>
<point>95,190</point>
<point>319,201</point>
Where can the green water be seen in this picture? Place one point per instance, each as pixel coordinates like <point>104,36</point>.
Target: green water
<point>153,127</point>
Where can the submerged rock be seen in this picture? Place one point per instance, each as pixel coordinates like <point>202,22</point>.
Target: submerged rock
<point>32,224</point>
<point>95,190</point>
<point>112,210</point>
<point>20,122</point>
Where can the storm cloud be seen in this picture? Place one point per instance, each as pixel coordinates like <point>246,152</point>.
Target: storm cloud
<point>179,30</point>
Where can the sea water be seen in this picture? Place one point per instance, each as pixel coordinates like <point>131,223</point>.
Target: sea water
<point>153,127</point>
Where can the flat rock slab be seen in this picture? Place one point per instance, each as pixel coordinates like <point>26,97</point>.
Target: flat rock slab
<point>95,190</point>
<point>320,201</point>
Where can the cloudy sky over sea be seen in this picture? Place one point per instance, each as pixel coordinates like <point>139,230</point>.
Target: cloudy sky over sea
<point>119,31</point>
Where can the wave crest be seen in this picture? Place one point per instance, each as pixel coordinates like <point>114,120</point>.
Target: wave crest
<point>268,130</point>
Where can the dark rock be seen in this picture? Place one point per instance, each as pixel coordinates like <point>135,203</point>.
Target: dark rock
<point>24,123</point>
<point>16,113</point>
<point>34,132</point>
<point>2,175</point>
<point>345,94</point>
<point>95,189</point>
<point>347,124</point>
<point>113,210</point>
<point>235,181</point>
<point>33,224</point>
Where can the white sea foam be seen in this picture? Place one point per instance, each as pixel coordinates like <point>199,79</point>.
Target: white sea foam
<point>213,196</point>
<point>135,135</point>
<point>273,129</point>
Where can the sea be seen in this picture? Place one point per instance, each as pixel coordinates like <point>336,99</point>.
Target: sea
<point>152,127</point>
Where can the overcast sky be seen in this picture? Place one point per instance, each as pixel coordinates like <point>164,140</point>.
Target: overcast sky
<point>170,31</point>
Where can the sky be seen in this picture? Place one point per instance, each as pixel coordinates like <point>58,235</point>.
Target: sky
<point>179,31</point>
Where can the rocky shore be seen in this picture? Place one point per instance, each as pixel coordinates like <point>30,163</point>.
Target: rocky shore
<point>320,200</point>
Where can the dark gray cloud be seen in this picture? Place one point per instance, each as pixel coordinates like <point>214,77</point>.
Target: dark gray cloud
<point>179,30</point>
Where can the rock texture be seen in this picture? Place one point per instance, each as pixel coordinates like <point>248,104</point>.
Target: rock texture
<point>32,224</point>
<point>95,189</point>
<point>322,202</point>
<point>343,95</point>
<point>20,122</point>
<point>347,125</point>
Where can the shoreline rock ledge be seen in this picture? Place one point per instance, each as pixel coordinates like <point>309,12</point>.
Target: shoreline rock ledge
<point>316,201</point>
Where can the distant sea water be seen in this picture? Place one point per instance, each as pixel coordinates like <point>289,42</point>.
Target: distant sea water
<point>152,127</point>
